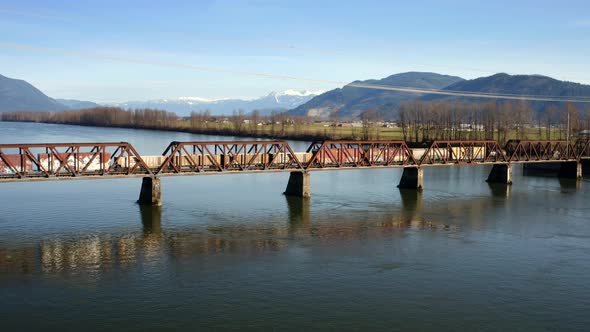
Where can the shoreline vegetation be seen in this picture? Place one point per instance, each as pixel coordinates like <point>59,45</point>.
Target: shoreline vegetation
<point>415,122</point>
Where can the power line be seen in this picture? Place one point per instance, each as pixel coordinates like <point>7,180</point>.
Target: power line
<point>472,94</point>
<point>55,51</point>
<point>32,14</point>
<point>277,46</point>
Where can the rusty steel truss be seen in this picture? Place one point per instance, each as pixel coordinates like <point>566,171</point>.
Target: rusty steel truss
<point>199,157</point>
<point>70,160</point>
<point>582,148</point>
<point>542,151</point>
<point>95,160</point>
<point>352,154</point>
<point>463,152</point>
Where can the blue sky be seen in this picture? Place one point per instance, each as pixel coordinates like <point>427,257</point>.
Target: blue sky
<point>66,47</point>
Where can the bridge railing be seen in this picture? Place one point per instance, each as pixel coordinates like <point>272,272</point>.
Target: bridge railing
<point>69,160</point>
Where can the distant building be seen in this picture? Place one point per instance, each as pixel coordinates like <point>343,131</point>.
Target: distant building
<point>470,127</point>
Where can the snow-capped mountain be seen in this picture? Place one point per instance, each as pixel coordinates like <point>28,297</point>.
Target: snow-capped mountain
<point>274,101</point>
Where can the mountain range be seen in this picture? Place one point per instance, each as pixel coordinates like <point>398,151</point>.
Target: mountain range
<point>350,101</point>
<point>346,102</point>
<point>76,104</point>
<point>274,101</point>
<point>535,85</point>
<point>18,95</point>
<point>521,85</point>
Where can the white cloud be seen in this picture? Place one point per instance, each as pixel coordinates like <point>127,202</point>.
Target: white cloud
<point>200,99</point>
<point>304,93</point>
<point>581,23</point>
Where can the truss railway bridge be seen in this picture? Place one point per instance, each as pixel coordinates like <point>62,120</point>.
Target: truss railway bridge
<point>66,161</point>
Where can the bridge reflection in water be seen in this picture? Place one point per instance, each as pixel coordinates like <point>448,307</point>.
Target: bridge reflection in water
<point>91,256</point>
<point>151,219</point>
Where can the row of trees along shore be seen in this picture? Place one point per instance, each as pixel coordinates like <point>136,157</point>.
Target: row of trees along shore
<point>414,122</point>
<point>277,125</point>
<point>490,120</point>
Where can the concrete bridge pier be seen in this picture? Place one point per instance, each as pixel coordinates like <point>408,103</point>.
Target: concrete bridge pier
<point>570,170</point>
<point>500,173</point>
<point>412,178</point>
<point>151,192</point>
<point>299,185</point>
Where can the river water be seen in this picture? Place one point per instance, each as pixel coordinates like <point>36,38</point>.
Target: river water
<point>231,252</point>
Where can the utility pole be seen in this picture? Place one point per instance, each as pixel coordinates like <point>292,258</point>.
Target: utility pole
<point>567,139</point>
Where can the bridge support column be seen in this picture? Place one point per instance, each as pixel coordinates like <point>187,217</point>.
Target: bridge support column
<point>501,173</point>
<point>151,192</point>
<point>412,178</point>
<point>299,185</point>
<point>570,170</point>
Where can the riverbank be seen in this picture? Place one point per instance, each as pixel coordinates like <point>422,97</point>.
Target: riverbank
<point>281,126</point>
<point>211,131</point>
<point>272,127</point>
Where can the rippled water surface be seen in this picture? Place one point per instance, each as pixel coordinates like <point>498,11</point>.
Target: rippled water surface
<point>231,252</point>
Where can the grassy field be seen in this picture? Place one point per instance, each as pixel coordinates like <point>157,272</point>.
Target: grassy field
<point>325,131</point>
<point>307,132</point>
